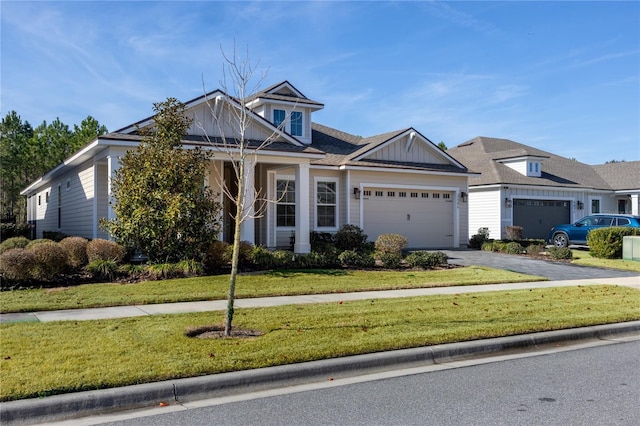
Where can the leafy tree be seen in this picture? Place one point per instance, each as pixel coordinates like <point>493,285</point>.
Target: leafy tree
<point>160,201</point>
<point>442,146</point>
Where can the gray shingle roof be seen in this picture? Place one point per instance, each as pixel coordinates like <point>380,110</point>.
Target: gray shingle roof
<point>341,148</point>
<point>621,176</point>
<point>481,154</point>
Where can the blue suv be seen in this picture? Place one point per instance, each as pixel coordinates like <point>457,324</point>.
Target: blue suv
<point>576,234</point>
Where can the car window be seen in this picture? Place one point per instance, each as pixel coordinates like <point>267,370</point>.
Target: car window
<point>587,221</point>
<point>622,221</point>
<point>604,221</point>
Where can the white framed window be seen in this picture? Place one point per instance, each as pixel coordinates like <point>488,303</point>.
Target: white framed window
<point>326,203</point>
<point>379,193</point>
<point>425,195</point>
<point>366,193</point>
<point>296,123</point>
<point>446,196</point>
<point>68,185</point>
<point>402,194</point>
<point>595,205</point>
<point>285,203</point>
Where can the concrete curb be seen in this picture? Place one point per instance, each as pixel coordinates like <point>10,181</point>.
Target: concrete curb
<point>81,404</point>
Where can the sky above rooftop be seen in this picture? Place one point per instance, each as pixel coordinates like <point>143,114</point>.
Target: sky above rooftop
<point>563,77</point>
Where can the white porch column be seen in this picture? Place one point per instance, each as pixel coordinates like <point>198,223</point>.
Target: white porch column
<point>635,209</point>
<point>113,164</point>
<point>302,244</point>
<point>247,228</point>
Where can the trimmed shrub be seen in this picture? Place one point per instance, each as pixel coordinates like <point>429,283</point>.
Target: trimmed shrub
<point>322,242</point>
<point>16,264</point>
<point>54,236</point>
<point>38,241</point>
<point>350,237</point>
<point>487,246</point>
<point>217,258</point>
<point>282,258</point>
<point>11,230</point>
<point>391,260</point>
<point>103,269</point>
<point>354,259</point>
<point>262,258</point>
<point>100,249</point>
<point>76,249</point>
<point>310,261</point>
<point>513,248</point>
<point>563,253</point>
<point>50,260</point>
<point>245,256</point>
<point>13,243</point>
<point>535,249</point>
<point>426,259</point>
<point>606,243</point>
<point>514,232</point>
<point>390,243</point>
<point>476,241</point>
<point>189,268</point>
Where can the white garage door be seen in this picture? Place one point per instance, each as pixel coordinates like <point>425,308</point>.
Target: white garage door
<point>425,218</point>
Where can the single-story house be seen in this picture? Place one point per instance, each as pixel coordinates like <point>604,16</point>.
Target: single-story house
<point>317,178</point>
<point>519,185</point>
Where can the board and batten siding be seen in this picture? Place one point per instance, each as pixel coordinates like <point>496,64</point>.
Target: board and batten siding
<point>417,153</point>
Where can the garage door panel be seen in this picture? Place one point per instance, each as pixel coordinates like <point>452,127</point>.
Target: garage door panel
<point>537,217</point>
<point>426,222</point>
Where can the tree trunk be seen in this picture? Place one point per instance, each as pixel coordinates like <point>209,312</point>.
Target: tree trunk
<point>236,250</point>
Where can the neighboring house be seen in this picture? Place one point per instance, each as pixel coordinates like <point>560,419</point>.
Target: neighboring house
<point>316,177</point>
<point>523,186</point>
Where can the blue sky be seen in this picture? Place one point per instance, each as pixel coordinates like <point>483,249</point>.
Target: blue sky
<point>560,76</point>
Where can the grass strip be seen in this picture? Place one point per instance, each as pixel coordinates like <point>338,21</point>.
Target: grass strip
<point>275,283</point>
<point>584,258</point>
<point>39,359</point>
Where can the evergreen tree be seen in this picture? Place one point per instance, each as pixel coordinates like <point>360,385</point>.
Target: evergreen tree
<point>160,202</point>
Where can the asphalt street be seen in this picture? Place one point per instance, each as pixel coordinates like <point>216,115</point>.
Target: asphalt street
<point>586,386</point>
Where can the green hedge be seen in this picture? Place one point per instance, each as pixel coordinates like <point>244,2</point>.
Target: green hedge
<point>606,243</point>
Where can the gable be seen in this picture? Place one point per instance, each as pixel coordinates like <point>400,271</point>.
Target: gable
<point>408,147</point>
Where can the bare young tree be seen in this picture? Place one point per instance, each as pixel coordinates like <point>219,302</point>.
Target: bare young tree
<point>233,119</point>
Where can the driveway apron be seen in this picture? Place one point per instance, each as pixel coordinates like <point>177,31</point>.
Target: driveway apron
<point>545,268</point>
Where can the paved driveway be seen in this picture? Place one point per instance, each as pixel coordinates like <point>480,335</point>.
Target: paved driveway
<point>551,270</point>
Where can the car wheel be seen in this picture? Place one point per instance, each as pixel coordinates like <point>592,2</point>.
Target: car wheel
<point>560,240</point>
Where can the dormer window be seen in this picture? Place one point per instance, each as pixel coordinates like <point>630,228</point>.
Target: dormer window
<point>278,117</point>
<point>296,123</point>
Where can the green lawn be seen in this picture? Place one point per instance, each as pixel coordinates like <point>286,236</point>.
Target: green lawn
<point>583,257</point>
<point>38,359</point>
<point>277,283</point>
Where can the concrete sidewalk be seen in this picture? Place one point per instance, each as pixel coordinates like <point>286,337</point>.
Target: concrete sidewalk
<point>220,305</point>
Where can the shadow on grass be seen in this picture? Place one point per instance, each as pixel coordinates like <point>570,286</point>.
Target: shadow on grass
<point>286,273</point>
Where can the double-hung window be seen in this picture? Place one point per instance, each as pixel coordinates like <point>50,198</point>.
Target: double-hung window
<point>296,123</point>
<point>285,203</point>
<point>278,117</point>
<point>326,204</point>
